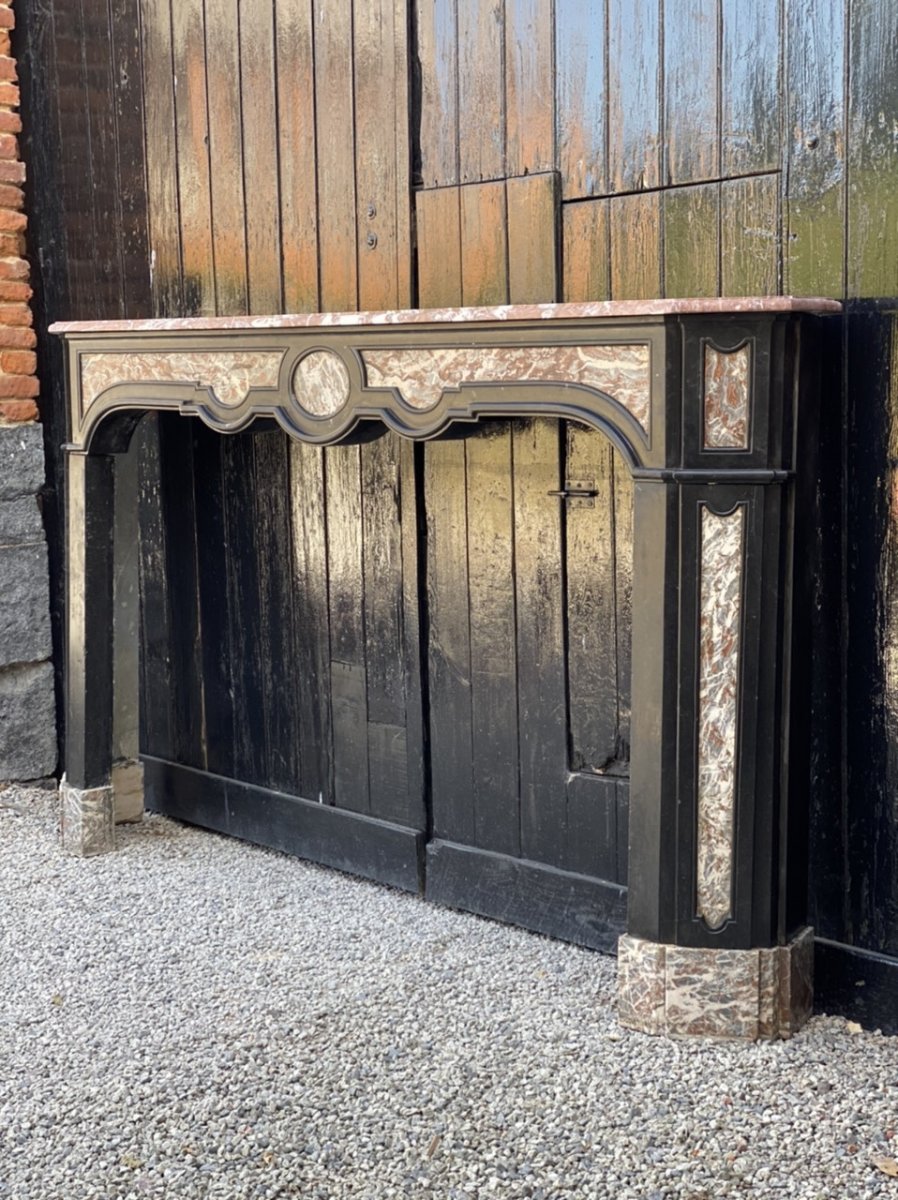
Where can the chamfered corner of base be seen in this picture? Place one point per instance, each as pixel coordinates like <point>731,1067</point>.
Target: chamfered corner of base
<point>87,819</point>
<point>686,991</point>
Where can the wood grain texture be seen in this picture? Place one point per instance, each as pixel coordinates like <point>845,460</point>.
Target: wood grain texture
<point>749,232</point>
<point>815,148</point>
<point>334,114</point>
<point>635,223</point>
<point>634,95</point>
<point>750,86</point>
<point>691,54</point>
<point>296,154</point>
<point>581,97</point>
<point>481,91</point>
<point>194,185</point>
<point>691,240</point>
<point>529,86</point>
<point>484,244</point>
<point>161,158</point>
<point>873,164</point>
<point>260,156</point>
<point>226,156</point>
<point>532,206</point>
<point>437,49</point>
<point>586,251</point>
<point>438,220</point>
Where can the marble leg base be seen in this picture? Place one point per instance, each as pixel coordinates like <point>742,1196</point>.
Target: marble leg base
<point>88,819</point>
<point>127,789</point>
<point>679,990</point>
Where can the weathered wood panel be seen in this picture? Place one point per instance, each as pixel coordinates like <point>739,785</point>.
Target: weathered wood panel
<point>581,99</point>
<point>691,119</point>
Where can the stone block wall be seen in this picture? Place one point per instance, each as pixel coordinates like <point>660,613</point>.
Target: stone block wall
<point>27,705</point>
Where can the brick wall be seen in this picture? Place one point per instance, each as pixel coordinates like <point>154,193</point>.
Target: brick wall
<point>27,708</point>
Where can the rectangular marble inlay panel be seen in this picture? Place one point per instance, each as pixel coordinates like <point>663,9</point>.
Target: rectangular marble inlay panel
<point>230,374</point>
<point>720,609</point>
<point>422,375</point>
<point>727,398</point>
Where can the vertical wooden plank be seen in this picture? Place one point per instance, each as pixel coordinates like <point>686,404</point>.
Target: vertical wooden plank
<point>539,606</point>
<point>311,612</point>
<point>591,606</point>
<point>529,80</point>
<point>873,163</point>
<point>130,158</point>
<point>532,238</point>
<point>491,570</point>
<point>592,833</point>
<point>223,52</point>
<point>437,28</point>
<point>691,144</point>
<point>192,126</point>
<point>815,180</point>
<point>481,90</point>
<point>438,219</point>
<point>411,466</point>
<point>247,648</point>
<point>623,598</point>
<point>635,246</point>
<point>385,654</point>
<point>337,267</point>
<point>581,100</point>
<point>258,99</point>
<point>271,500</point>
<point>750,87</point>
<point>634,95</point>
<point>484,244</point>
<point>214,600</point>
<point>691,239</point>
<point>586,255</point>
<point>449,643</point>
<point>156,713</point>
<point>750,245</point>
<point>349,701</point>
<point>296,154</point>
<point>162,171</point>
<point>380,66</point>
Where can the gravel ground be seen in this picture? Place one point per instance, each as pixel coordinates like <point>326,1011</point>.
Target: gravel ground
<point>195,1017</point>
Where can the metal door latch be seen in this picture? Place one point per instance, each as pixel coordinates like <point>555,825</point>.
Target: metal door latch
<point>580,493</point>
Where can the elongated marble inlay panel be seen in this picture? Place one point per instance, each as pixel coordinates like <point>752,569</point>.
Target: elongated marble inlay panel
<point>230,374</point>
<point>727,398</point>
<point>720,607</point>
<point>422,375</point>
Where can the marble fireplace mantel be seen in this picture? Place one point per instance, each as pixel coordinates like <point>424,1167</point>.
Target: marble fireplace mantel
<point>713,404</point>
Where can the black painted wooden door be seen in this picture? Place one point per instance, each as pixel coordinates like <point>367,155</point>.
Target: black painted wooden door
<point>528,593</point>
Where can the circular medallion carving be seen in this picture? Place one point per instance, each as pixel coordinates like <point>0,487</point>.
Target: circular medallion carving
<point>321,383</point>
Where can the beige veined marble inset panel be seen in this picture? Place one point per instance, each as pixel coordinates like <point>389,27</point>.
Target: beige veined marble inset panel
<point>422,375</point>
<point>229,374</point>
<point>720,609</point>
<point>321,383</point>
<point>726,396</point>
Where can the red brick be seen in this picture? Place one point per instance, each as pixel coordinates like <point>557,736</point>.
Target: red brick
<point>18,362</point>
<point>9,93</point>
<point>7,19</point>
<point>11,221</point>
<point>14,290</point>
<point>7,68</point>
<point>15,314</point>
<point>10,122</point>
<point>12,172</point>
<point>11,196</point>
<point>17,339</point>
<point>18,387</point>
<point>9,146</point>
<point>18,411</point>
<point>14,268</point>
